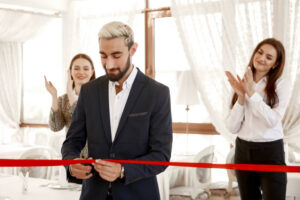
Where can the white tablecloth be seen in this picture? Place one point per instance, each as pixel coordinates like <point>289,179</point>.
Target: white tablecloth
<point>12,187</point>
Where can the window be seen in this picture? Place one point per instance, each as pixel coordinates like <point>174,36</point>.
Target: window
<point>165,60</point>
<point>166,63</point>
<point>42,55</point>
<point>170,61</point>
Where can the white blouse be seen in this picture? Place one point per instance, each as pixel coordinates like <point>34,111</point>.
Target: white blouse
<point>256,121</point>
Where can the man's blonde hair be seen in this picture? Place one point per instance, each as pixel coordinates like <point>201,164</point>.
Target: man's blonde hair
<point>117,29</point>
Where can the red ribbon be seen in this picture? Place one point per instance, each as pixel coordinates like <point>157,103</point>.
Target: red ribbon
<point>247,167</point>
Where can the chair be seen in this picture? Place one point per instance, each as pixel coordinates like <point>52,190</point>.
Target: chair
<point>37,153</point>
<point>227,190</point>
<point>55,142</point>
<point>41,138</point>
<point>292,190</point>
<point>231,173</point>
<point>190,183</point>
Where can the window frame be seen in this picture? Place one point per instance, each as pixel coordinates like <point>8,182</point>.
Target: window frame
<point>150,16</point>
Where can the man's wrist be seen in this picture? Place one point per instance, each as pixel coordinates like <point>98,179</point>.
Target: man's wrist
<point>122,173</point>
<point>70,171</point>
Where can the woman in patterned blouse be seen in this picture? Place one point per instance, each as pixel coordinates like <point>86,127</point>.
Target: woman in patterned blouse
<point>81,71</point>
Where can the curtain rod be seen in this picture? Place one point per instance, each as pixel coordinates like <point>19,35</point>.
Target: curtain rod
<point>56,14</point>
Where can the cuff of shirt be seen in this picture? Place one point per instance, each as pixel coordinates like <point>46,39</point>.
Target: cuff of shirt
<point>69,168</point>
<point>237,110</point>
<point>72,108</point>
<point>53,112</point>
<point>237,106</point>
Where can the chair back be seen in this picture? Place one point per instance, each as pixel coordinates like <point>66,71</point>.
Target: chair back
<point>37,153</point>
<point>204,156</point>
<point>231,173</point>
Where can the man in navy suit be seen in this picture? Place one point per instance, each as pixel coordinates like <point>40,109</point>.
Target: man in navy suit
<point>122,115</point>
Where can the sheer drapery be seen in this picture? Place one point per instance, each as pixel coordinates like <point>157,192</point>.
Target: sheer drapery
<point>83,21</point>
<point>14,30</point>
<point>19,27</point>
<point>11,83</point>
<point>221,35</point>
<point>291,121</point>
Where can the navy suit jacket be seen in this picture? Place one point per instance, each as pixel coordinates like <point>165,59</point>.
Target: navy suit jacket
<point>144,133</point>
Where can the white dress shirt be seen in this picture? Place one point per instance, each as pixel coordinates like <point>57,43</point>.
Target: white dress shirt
<point>75,95</point>
<point>118,101</point>
<point>256,121</point>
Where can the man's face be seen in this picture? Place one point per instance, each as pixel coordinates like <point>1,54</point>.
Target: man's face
<point>115,57</point>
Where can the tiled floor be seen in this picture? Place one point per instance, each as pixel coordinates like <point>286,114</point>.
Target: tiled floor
<point>222,194</point>
<point>215,197</point>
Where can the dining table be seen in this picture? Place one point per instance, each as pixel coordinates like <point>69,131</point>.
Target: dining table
<point>14,187</point>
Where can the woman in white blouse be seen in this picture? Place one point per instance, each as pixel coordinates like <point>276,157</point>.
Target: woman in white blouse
<point>257,108</point>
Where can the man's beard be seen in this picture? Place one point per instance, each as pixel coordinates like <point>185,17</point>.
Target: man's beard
<point>117,77</point>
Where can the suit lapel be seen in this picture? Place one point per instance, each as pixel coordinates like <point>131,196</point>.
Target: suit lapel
<point>104,105</point>
<point>135,91</point>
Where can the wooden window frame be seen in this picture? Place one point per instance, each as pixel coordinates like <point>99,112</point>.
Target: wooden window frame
<point>150,16</point>
<point>23,125</point>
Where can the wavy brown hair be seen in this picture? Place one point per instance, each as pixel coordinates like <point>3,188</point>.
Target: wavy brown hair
<point>273,74</point>
<point>83,56</point>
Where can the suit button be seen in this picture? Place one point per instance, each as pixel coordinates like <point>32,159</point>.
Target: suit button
<point>112,155</point>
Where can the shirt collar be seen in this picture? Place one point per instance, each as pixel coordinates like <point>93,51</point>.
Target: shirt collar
<point>129,81</point>
<point>263,80</point>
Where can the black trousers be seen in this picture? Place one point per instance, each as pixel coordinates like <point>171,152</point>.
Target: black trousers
<point>258,185</point>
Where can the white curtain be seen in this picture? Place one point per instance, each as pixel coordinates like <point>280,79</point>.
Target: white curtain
<point>19,27</point>
<point>14,30</point>
<point>11,83</point>
<point>291,121</point>
<point>221,35</point>
<point>83,21</point>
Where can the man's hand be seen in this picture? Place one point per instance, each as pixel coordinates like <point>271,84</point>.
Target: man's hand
<point>109,171</point>
<point>81,171</point>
